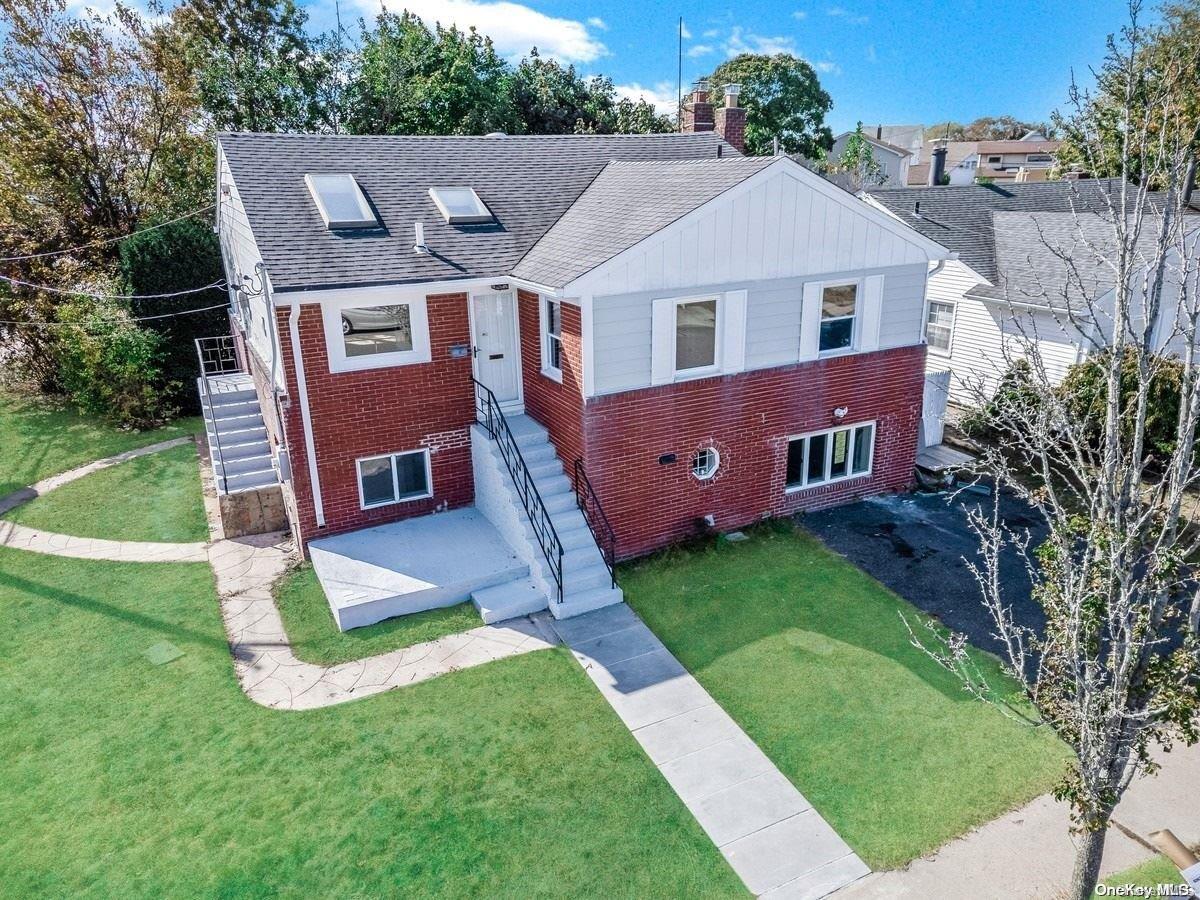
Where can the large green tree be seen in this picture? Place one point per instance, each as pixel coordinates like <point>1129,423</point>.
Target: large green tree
<point>255,65</point>
<point>412,79</point>
<point>784,100</point>
<point>988,128</point>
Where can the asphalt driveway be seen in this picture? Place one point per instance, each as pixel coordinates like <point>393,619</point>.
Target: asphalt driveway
<point>919,544</point>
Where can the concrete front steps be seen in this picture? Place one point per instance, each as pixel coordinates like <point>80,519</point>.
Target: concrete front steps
<point>237,435</point>
<point>587,584</point>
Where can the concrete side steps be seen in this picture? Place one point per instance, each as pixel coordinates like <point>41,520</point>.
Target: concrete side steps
<point>507,601</point>
<point>237,434</point>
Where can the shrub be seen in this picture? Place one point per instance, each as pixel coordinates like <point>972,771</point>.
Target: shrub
<point>109,366</point>
<point>1016,392</point>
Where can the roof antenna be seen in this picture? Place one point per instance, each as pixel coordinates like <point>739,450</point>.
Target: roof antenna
<point>420,246</point>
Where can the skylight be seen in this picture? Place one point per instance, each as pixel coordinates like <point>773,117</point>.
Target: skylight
<point>341,202</point>
<point>461,206</point>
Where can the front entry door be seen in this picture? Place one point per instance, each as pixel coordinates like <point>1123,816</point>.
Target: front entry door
<point>497,356</point>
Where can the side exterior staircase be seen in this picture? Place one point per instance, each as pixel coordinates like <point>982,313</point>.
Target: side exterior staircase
<point>237,436</point>
<point>587,582</point>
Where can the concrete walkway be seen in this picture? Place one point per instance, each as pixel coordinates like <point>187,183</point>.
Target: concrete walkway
<point>772,837</point>
<point>270,673</point>
<point>1029,852</point>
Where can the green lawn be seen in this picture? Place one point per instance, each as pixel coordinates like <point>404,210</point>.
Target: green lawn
<point>122,778</point>
<point>39,438</point>
<point>1155,871</point>
<point>151,498</point>
<point>810,656</point>
<point>315,637</point>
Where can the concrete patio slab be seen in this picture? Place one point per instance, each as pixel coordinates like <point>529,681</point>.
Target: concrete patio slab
<point>403,567</point>
<point>766,829</point>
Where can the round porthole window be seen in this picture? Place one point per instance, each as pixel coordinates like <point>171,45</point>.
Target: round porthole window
<point>705,463</point>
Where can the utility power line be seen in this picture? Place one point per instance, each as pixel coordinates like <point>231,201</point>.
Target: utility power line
<point>44,324</point>
<point>111,240</point>
<point>81,293</point>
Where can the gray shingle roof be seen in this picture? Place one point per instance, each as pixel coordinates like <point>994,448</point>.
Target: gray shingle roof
<point>529,182</point>
<point>628,201</point>
<point>959,217</point>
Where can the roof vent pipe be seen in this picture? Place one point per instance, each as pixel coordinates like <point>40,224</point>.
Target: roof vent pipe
<point>420,246</point>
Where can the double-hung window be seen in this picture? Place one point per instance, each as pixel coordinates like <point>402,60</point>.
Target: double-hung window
<point>552,338</point>
<point>939,326</point>
<point>393,478</point>
<point>695,335</point>
<point>839,303</point>
<point>834,455</point>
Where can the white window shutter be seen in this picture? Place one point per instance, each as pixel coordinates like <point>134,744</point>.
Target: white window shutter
<point>733,338</point>
<point>810,321</point>
<point>872,312</point>
<point>662,342</point>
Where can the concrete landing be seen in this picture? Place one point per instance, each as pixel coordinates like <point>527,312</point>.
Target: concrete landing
<point>405,567</point>
<point>770,835</point>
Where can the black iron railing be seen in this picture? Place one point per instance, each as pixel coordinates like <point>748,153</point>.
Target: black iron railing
<point>593,514</point>
<point>489,415</point>
<point>217,356</point>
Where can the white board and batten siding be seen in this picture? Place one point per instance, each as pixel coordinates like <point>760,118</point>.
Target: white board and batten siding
<point>988,337</point>
<point>765,248</point>
<point>242,255</point>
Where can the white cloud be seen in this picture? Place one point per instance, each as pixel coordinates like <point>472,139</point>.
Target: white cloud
<point>513,27</point>
<point>826,67</point>
<point>683,29</point>
<point>700,50</point>
<point>800,15</point>
<point>871,55</point>
<point>662,96</point>
<point>840,12</point>
<point>711,33</point>
<point>598,23</point>
<point>742,41</point>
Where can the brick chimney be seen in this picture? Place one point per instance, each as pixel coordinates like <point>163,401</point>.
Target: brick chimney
<point>697,110</point>
<point>731,119</point>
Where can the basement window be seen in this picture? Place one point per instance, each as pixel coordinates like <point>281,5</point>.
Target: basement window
<point>705,463</point>
<point>461,206</point>
<point>826,456</point>
<point>394,478</point>
<point>341,202</point>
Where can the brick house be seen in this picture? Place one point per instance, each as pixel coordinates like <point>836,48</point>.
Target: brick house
<point>657,333</point>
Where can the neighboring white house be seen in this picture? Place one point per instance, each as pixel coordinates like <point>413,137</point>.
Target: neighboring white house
<point>1008,289</point>
<point>892,160</point>
<point>1027,159</point>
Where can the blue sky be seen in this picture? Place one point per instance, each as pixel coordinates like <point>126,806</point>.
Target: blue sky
<point>893,62</point>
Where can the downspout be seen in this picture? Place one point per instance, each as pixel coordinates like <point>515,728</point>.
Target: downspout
<point>929,273</point>
<point>310,450</point>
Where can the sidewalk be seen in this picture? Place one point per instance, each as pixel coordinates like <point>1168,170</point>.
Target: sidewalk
<point>1029,852</point>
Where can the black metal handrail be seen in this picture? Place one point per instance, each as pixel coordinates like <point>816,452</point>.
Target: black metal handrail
<point>489,415</point>
<point>217,356</point>
<point>597,521</point>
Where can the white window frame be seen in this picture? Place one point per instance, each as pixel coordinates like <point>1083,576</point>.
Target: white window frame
<point>480,216</point>
<point>331,312</point>
<point>829,432</point>
<point>554,373</point>
<point>367,216</point>
<point>362,504</point>
<point>937,351</point>
<point>718,331</point>
<point>995,159</point>
<point>712,473</point>
<point>856,323</point>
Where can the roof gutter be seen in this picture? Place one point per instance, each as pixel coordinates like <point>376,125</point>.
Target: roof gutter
<point>318,293</point>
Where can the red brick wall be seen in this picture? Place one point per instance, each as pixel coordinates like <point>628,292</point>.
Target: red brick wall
<point>357,414</point>
<point>557,406</point>
<point>748,417</point>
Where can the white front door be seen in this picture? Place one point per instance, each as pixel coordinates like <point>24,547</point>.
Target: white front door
<point>497,354</point>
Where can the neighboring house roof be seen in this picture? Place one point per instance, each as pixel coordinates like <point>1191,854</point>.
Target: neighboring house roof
<point>959,217</point>
<point>994,147</point>
<point>876,142</point>
<point>528,182</point>
<point>626,203</point>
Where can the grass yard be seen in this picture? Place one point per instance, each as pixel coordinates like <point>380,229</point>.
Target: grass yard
<point>315,637</point>
<point>123,778</point>
<point>39,438</point>
<point>151,498</point>
<point>810,656</point>
<point>1155,871</point>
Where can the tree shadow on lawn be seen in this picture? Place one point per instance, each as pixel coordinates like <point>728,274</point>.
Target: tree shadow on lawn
<point>99,607</point>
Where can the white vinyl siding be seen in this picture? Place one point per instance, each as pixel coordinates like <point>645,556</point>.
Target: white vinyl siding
<point>622,326</point>
<point>982,331</point>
